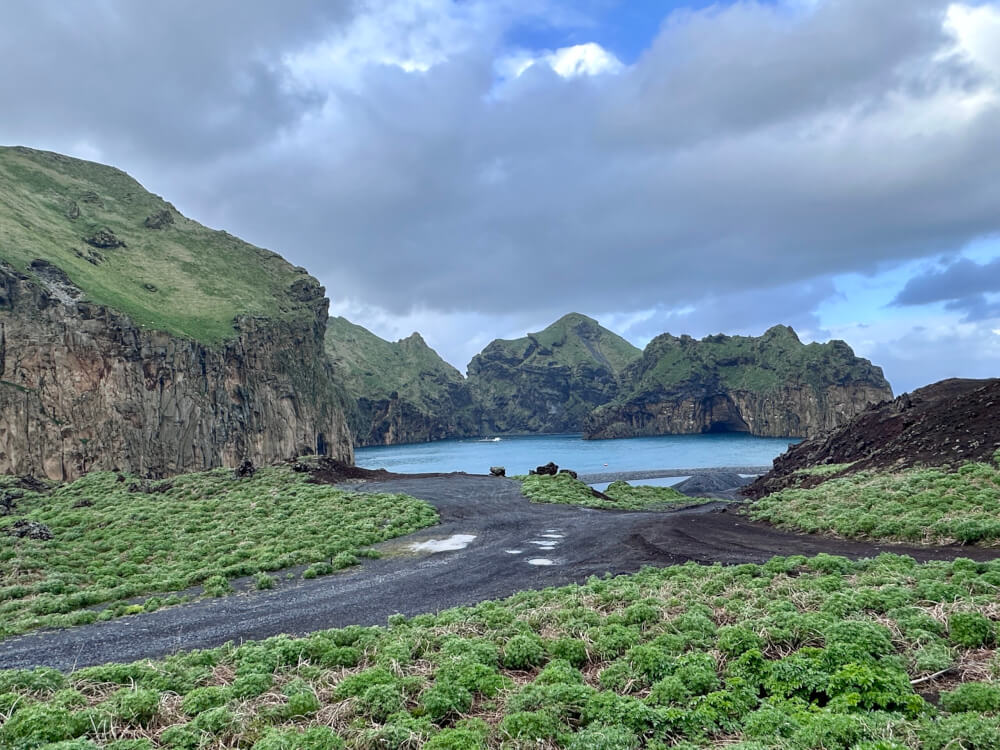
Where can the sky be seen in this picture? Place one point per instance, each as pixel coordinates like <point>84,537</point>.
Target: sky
<point>474,169</point>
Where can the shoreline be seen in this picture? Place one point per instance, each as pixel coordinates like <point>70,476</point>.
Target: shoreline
<point>614,476</point>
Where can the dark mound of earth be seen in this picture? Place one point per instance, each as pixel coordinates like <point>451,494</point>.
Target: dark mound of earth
<point>722,485</point>
<point>944,424</point>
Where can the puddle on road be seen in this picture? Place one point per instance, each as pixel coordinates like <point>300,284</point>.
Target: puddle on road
<point>544,543</point>
<point>514,551</point>
<point>552,536</point>
<point>540,561</point>
<point>452,543</point>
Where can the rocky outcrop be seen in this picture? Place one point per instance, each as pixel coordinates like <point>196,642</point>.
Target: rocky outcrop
<point>134,338</point>
<point>548,382</point>
<point>399,392</point>
<point>772,385</point>
<point>82,387</point>
<point>945,424</point>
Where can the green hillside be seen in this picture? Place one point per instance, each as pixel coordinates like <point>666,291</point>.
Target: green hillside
<point>751,363</point>
<point>400,391</point>
<point>548,381</point>
<point>374,368</point>
<point>571,341</point>
<point>131,250</point>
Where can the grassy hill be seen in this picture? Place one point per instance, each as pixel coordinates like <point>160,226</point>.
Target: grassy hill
<point>131,250</point>
<point>371,367</point>
<point>752,363</point>
<point>401,391</point>
<point>571,341</point>
<point>548,381</point>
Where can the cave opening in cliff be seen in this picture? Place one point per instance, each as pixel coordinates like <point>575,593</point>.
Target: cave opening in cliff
<point>721,416</point>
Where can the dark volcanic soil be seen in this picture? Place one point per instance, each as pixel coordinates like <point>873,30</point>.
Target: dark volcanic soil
<point>577,542</point>
<point>944,424</point>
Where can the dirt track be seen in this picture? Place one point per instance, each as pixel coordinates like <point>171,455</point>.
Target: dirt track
<point>582,542</point>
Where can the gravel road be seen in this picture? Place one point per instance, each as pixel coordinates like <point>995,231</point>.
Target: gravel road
<point>517,545</point>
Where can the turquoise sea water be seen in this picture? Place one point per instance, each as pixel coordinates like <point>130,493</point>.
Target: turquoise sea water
<point>518,454</point>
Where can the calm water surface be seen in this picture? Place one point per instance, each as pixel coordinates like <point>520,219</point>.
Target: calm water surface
<point>518,454</point>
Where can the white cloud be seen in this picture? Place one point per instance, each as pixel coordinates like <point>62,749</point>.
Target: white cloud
<point>976,31</point>
<point>589,59</point>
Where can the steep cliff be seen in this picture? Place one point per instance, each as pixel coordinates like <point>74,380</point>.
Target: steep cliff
<point>401,392</point>
<point>772,385</point>
<point>133,338</point>
<point>548,381</point>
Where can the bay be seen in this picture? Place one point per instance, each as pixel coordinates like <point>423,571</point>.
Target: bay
<point>519,454</point>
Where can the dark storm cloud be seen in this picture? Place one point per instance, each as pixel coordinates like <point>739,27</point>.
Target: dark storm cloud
<point>156,81</point>
<point>751,148</point>
<point>962,286</point>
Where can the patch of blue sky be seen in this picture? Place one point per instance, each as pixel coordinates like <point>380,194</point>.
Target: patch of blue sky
<point>625,28</point>
<point>862,298</point>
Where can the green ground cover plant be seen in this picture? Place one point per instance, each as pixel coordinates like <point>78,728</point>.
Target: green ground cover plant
<point>798,653</point>
<point>926,505</point>
<point>562,488</point>
<point>115,538</point>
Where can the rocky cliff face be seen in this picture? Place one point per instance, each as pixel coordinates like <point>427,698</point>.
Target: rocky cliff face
<point>133,338</point>
<point>83,388</point>
<point>548,382</point>
<point>771,385</point>
<point>402,392</point>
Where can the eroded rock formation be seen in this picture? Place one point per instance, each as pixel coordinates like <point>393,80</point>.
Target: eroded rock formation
<point>772,385</point>
<point>82,387</point>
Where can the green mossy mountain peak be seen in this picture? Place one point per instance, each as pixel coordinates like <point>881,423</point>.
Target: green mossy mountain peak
<point>402,391</point>
<point>132,251</point>
<point>771,385</point>
<point>548,381</point>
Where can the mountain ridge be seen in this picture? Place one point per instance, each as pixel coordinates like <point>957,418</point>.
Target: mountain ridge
<point>576,376</point>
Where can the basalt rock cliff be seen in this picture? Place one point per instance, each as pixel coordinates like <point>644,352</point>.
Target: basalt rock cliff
<point>132,338</point>
<point>548,382</point>
<point>400,392</point>
<point>772,385</point>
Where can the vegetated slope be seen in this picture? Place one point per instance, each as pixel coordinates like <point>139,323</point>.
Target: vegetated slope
<point>796,653</point>
<point>137,339</point>
<point>945,424</point>
<point>921,468</point>
<point>771,385</point>
<point>401,392</point>
<point>619,495</point>
<point>108,538</point>
<point>548,381</point>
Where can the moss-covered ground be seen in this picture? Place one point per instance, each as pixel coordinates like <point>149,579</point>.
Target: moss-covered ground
<point>115,538</point>
<point>926,505</point>
<point>797,653</point>
<point>563,488</point>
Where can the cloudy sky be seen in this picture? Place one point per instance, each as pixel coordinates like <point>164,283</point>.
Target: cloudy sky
<point>476,168</point>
